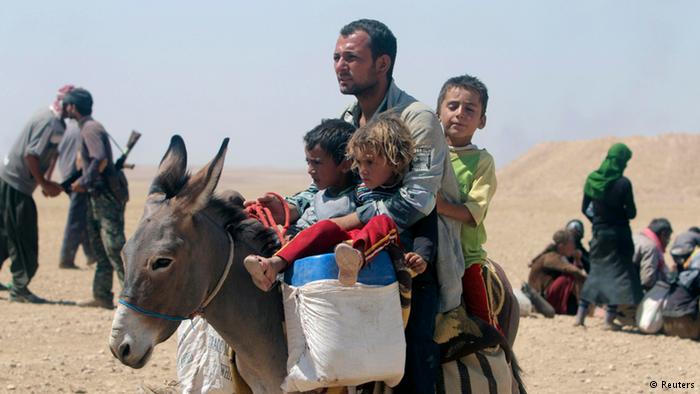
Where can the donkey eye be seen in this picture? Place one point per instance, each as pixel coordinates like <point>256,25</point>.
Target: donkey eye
<point>160,262</point>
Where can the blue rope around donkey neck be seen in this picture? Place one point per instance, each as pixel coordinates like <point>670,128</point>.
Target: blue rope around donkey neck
<point>152,314</point>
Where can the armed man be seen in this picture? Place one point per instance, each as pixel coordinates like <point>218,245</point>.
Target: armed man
<point>108,193</point>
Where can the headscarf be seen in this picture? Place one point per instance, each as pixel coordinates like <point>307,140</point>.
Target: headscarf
<point>610,170</point>
<point>57,105</point>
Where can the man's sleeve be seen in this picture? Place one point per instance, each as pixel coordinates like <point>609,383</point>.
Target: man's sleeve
<point>416,197</point>
<point>648,265</point>
<point>482,189</point>
<point>96,153</point>
<point>555,263</point>
<point>425,233</point>
<point>40,140</point>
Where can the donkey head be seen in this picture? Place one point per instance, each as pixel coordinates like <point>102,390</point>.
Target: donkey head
<point>173,258</point>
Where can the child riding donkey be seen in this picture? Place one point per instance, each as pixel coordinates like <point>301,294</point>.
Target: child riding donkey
<point>381,152</point>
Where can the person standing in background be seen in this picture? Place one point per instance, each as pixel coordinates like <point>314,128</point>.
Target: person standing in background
<point>75,232</point>
<point>108,194</point>
<point>608,202</point>
<point>23,169</point>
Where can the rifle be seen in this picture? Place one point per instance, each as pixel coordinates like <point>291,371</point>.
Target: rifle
<point>118,165</point>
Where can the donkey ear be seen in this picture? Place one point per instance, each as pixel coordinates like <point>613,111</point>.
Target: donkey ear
<point>200,187</point>
<point>172,169</point>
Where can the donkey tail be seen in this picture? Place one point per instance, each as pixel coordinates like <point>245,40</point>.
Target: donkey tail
<point>517,373</point>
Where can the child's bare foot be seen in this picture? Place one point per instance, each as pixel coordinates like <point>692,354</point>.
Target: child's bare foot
<point>349,262</point>
<point>262,270</point>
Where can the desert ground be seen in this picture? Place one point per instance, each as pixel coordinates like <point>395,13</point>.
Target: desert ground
<point>61,348</point>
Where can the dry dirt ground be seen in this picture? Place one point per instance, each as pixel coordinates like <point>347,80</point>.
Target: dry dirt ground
<point>63,348</point>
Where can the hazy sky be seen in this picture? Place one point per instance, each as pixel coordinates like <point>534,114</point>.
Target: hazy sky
<point>261,72</point>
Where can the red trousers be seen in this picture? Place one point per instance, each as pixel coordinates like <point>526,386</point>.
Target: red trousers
<point>324,235</point>
<point>559,292</point>
<point>476,300</point>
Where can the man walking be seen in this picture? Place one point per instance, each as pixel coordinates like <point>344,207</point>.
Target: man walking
<point>21,171</point>
<point>107,198</point>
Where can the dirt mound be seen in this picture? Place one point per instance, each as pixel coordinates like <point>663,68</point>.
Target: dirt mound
<point>659,164</point>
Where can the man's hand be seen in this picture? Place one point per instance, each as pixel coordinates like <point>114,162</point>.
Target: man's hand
<point>276,208</point>
<point>77,187</point>
<point>51,189</point>
<point>415,262</point>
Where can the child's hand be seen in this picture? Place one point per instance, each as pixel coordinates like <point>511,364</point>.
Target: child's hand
<point>415,262</point>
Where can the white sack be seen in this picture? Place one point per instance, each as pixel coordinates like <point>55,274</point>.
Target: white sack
<point>343,336</point>
<point>202,359</point>
<point>524,302</point>
<point>649,318</point>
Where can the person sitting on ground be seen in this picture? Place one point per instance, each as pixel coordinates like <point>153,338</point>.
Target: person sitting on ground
<point>461,108</point>
<point>680,310</point>
<point>554,277</point>
<point>649,247</point>
<point>684,245</point>
<point>381,151</point>
<point>575,226</point>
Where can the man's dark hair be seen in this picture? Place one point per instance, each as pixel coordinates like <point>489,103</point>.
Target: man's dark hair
<point>81,98</point>
<point>694,229</point>
<point>381,40</point>
<point>660,226</point>
<point>469,83</point>
<point>332,135</point>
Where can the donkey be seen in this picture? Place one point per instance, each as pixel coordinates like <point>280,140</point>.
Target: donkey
<point>186,258</point>
<point>181,261</point>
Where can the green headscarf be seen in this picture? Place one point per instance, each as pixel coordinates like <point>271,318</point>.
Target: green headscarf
<point>610,170</point>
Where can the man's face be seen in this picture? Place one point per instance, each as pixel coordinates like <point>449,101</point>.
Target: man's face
<point>354,67</point>
<point>69,111</point>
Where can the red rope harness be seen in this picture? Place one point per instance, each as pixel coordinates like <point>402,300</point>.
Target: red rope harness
<point>264,215</point>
